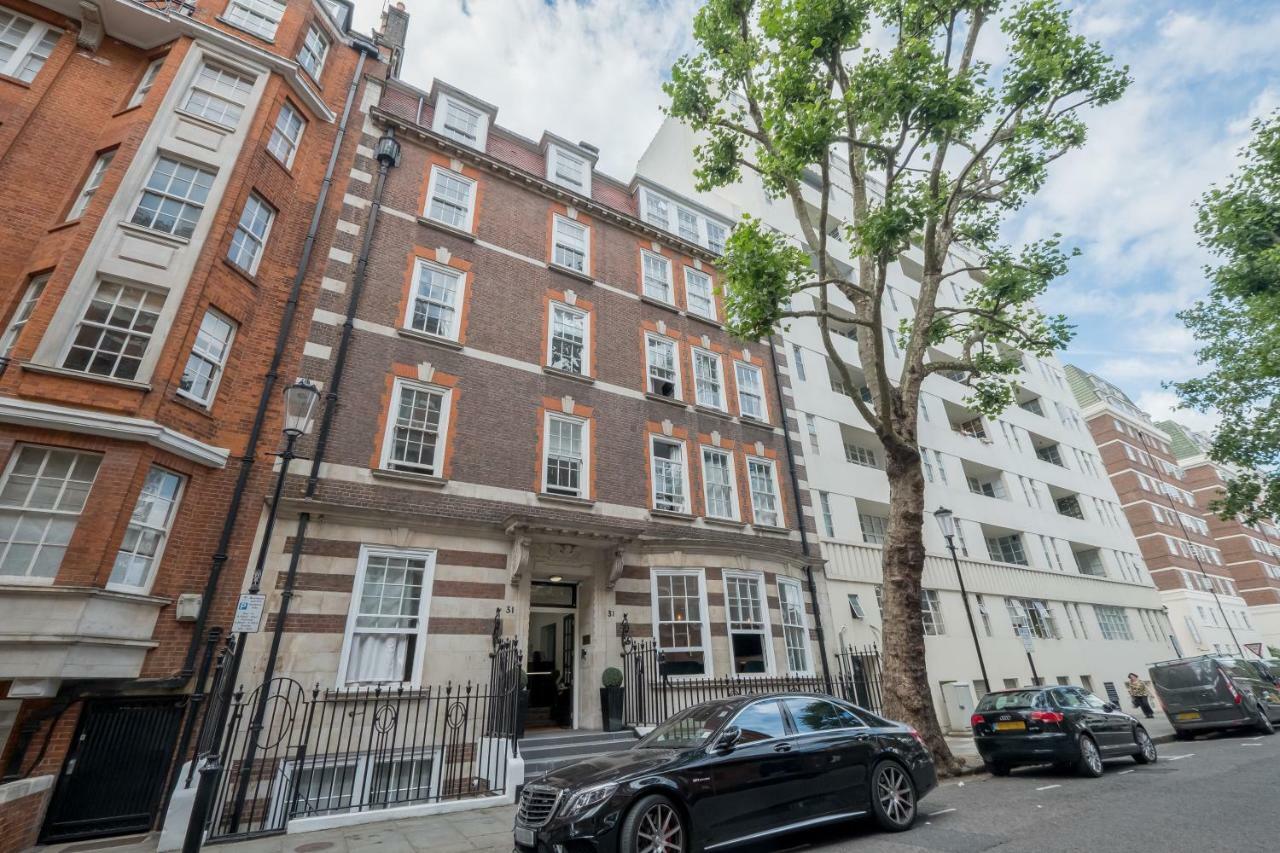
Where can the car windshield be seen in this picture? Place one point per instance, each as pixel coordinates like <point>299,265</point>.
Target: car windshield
<point>1184,675</point>
<point>1011,699</point>
<point>689,728</point>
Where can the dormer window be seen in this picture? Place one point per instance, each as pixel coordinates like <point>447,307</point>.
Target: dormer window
<point>568,170</point>
<point>682,220</point>
<point>461,121</point>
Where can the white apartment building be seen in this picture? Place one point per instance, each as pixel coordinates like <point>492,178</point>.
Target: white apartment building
<point>1041,536</point>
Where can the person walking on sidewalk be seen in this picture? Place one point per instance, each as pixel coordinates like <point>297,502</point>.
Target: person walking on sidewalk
<point>1138,693</point>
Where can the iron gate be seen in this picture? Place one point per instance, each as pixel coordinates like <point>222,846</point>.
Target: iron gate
<point>113,778</point>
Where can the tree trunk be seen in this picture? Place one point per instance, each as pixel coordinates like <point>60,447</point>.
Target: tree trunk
<point>906,681</point>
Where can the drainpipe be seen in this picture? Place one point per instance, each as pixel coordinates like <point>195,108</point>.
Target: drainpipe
<point>804,536</point>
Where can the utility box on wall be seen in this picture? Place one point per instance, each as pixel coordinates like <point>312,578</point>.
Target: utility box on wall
<point>957,698</point>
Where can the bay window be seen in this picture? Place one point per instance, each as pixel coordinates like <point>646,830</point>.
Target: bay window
<point>218,95</point>
<point>115,331</point>
<point>41,497</point>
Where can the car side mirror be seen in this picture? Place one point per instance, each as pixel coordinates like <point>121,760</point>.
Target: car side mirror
<point>728,739</point>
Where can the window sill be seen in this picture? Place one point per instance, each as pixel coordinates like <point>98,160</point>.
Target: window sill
<point>670,401</point>
<point>159,236</point>
<point>246,30</point>
<point>191,404</point>
<point>661,303</point>
<point>409,477</point>
<point>201,120</point>
<point>770,530</point>
<point>64,225</point>
<point>720,413</point>
<point>747,420</point>
<point>572,273</point>
<point>564,499</point>
<point>127,109</point>
<point>666,513</point>
<point>447,229</point>
<point>88,377</point>
<point>15,81</point>
<point>567,374</point>
<point>428,338</point>
<point>724,522</point>
<point>240,271</point>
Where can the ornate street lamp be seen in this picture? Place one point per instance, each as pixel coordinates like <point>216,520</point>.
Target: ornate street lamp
<point>946,521</point>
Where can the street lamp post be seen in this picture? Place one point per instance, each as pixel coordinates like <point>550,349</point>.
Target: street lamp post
<point>299,406</point>
<point>946,521</point>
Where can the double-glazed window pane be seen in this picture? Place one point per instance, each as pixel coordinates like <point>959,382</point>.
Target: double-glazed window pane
<point>435,302</point>
<point>795,632</point>
<point>708,384</point>
<point>208,357</point>
<point>764,497</point>
<point>657,276</point>
<point>22,314</point>
<point>679,623</point>
<point>311,54</point>
<point>565,456</point>
<point>717,472</point>
<point>697,288</point>
<point>570,245</point>
<point>668,476</point>
<point>40,502</point>
<point>750,391</point>
<point>148,528</point>
<point>112,337</point>
<point>568,339</point>
<point>251,234</point>
<point>91,184</point>
<point>450,199</point>
<point>416,430</point>
<point>388,615</point>
<point>286,134</point>
<point>174,198</point>
<point>662,367</point>
<point>219,95</point>
<point>257,16</point>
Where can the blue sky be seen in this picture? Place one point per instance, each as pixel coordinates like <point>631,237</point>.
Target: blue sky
<point>591,69</point>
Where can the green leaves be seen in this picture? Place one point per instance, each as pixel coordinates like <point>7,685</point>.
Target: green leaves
<point>1238,327</point>
<point>759,273</point>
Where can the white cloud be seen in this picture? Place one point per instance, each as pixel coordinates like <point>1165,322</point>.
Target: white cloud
<point>1163,405</point>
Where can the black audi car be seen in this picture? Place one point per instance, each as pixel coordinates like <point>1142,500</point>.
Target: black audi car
<point>727,772</point>
<point>1065,726</point>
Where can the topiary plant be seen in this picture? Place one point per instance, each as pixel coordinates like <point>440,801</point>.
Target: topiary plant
<point>611,677</point>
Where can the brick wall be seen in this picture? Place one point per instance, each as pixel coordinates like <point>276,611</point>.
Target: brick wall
<point>22,807</point>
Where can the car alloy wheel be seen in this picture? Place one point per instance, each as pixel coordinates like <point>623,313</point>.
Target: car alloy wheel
<point>1146,747</point>
<point>659,830</point>
<point>1090,758</point>
<point>895,797</point>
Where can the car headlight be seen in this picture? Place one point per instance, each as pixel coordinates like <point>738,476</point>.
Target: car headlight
<point>583,802</point>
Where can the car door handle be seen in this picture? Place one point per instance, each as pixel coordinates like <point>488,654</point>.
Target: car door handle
<point>782,747</point>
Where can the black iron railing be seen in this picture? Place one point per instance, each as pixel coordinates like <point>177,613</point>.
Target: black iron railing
<point>654,689</point>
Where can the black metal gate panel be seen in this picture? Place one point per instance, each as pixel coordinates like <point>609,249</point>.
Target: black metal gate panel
<point>114,775</point>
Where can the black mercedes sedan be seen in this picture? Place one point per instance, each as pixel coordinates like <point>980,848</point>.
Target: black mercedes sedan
<point>1065,726</point>
<point>727,772</point>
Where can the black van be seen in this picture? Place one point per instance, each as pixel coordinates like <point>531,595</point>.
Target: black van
<point>1212,692</point>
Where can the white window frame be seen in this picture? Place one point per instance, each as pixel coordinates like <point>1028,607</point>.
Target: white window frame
<point>145,83</point>
<point>734,509</point>
<point>459,300</point>
<point>248,237</point>
<point>738,368</point>
<point>665,263</point>
<point>103,326</point>
<point>708,660</point>
<point>92,182</point>
<point>649,339</point>
<point>363,767</point>
<point>307,49</point>
<point>765,631</point>
<point>255,16</point>
<point>22,312</point>
<point>424,609</point>
<point>218,362</point>
<point>164,531</point>
<point>557,154</point>
<point>437,172</point>
<point>385,462</point>
<point>797,589</point>
<point>777,492</point>
<point>290,144</point>
<point>931,605</point>
<point>686,505</point>
<point>584,463</point>
<point>720,404</point>
<point>16,67</point>
<point>559,221</point>
<point>585,316</point>
<point>195,84</point>
<point>187,203</point>
<point>26,511</point>
<point>439,122</point>
<point>828,519</point>
<point>690,274</point>
<point>876,532</point>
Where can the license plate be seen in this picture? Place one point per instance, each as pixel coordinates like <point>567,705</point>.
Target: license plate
<point>525,837</point>
<point>1018,726</point>
<point>1189,715</point>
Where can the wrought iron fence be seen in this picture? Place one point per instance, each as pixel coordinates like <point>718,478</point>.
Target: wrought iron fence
<point>652,692</point>
<point>325,752</point>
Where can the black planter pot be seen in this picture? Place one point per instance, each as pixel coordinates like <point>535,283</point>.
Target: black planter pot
<point>611,708</point>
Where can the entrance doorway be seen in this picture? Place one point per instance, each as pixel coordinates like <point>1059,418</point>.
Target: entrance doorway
<point>551,661</point>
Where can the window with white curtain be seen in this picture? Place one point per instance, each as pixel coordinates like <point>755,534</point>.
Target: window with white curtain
<point>795,626</point>
<point>748,624</point>
<point>41,497</point>
<point>149,526</point>
<point>387,623</point>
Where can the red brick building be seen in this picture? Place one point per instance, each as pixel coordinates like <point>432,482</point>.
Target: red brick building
<point>166,168</point>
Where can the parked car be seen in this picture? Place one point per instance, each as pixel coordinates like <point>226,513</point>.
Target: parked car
<point>1215,692</point>
<point>730,771</point>
<point>1065,726</point>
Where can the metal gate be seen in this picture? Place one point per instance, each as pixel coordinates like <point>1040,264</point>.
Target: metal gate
<point>114,774</point>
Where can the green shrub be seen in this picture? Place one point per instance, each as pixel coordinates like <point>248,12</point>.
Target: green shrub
<point>612,677</point>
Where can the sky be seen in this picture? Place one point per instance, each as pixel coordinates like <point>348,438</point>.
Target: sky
<point>1203,69</point>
